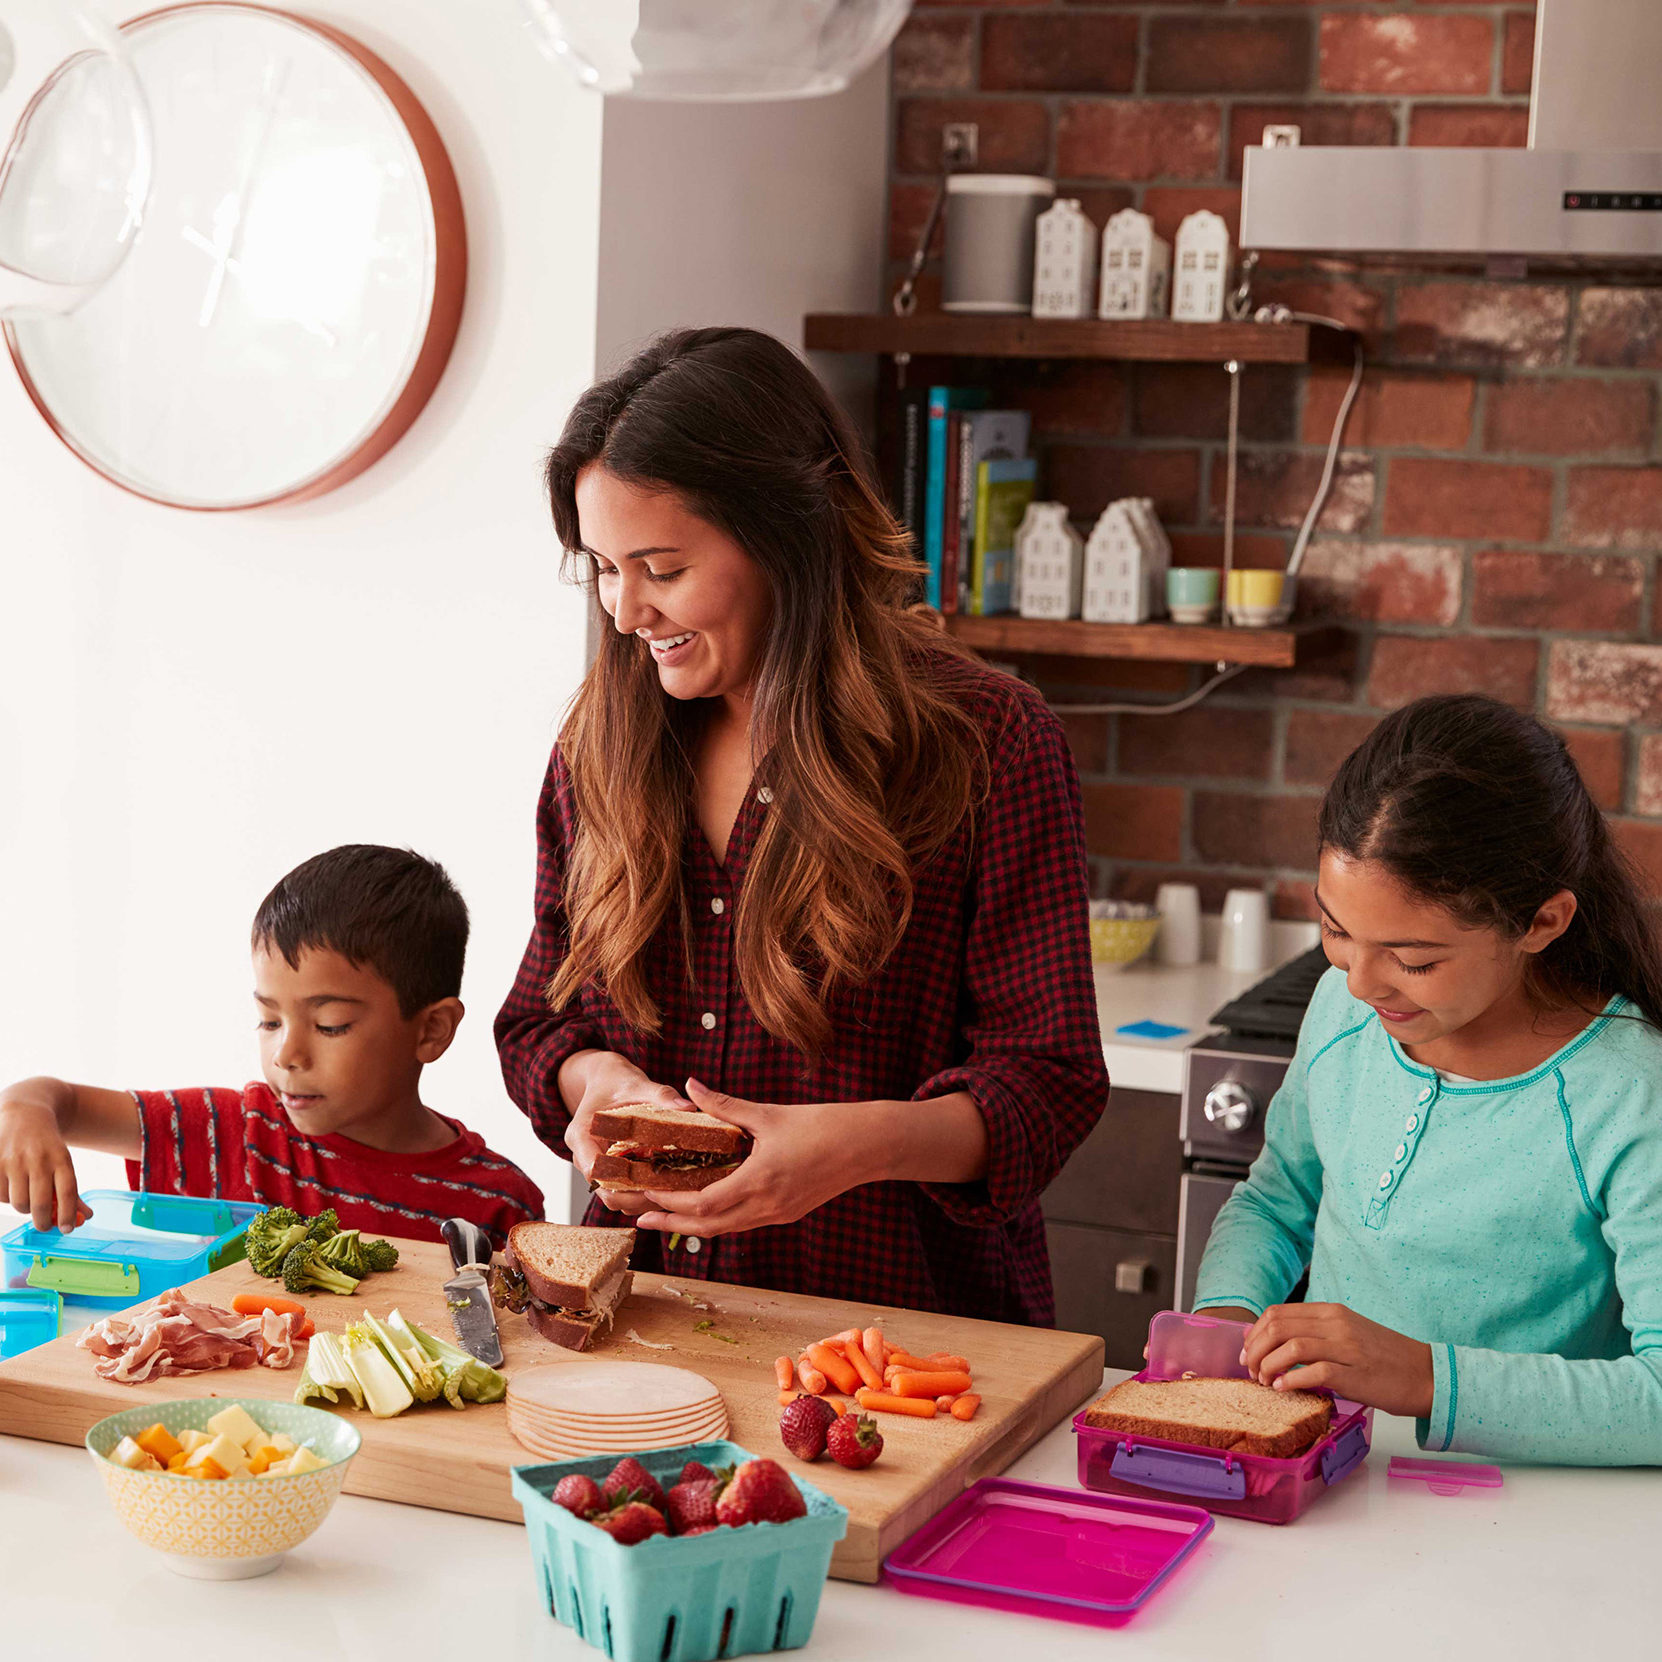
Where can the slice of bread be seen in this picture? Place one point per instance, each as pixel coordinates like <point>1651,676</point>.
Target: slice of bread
<point>569,1264</point>
<point>668,1128</point>
<point>1239,1415</point>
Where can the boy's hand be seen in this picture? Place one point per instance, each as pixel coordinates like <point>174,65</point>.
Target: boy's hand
<point>37,1172</point>
<point>607,1080</point>
<point>1299,1346</point>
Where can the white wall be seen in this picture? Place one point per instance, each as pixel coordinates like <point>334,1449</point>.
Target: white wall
<point>190,704</point>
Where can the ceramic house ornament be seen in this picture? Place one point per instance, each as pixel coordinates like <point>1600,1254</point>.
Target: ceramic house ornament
<point>1050,564</point>
<point>1126,560</point>
<point>1136,268</point>
<point>1201,276</point>
<point>1064,262</point>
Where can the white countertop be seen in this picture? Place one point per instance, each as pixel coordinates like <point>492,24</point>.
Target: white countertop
<point>1556,1565</point>
<point>1185,998</point>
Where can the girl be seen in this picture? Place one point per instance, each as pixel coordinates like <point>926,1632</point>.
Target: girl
<point>1467,1149</point>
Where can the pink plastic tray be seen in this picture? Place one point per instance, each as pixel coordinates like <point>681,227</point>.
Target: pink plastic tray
<point>1044,1551</point>
<point>1233,1485</point>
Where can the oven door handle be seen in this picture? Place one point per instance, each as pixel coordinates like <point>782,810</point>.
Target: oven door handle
<point>1211,1476</point>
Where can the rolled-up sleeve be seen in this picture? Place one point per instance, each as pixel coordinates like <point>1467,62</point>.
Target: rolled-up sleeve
<point>533,1040</point>
<point>1034,1067</point>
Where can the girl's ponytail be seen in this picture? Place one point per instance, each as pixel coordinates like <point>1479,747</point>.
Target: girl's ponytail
<point>1480,808</point>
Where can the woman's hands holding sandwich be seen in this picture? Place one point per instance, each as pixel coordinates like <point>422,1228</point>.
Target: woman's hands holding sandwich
<point>1303,1346</point>
<point>805,1154</point>
<point>599,1079</point>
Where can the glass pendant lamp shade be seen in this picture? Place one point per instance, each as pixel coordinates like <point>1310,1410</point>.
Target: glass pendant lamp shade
<point>74,156</point>
<point>716,50</point>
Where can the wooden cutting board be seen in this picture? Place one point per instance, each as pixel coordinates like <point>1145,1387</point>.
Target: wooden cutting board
<point>459,1461</point>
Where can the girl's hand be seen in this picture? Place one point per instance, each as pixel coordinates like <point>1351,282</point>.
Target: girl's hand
<point>804,1155</point>
<point>608,1081</point>
<point>1299,1346</point>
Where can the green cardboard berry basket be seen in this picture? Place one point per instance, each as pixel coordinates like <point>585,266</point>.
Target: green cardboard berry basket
<point>730,1592</point>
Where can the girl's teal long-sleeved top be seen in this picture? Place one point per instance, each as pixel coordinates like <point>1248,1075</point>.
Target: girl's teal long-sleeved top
<point>1515,1225</point>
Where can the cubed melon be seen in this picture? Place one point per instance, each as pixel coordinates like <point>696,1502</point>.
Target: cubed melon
<point>303,1460</point>
<point>158,1441</point>
<point>177,1463</point>
<point>238,1424</point>
<point>191,1441</point>
<point>128,1453</point>
<point>207,1467</point>
<point>282,1442</point>
<point>227,1453</point>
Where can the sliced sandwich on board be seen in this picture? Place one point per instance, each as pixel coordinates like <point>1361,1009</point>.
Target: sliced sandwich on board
<point>1239,1415</point>
<point>566,1279</point>
<point>669,1149</point>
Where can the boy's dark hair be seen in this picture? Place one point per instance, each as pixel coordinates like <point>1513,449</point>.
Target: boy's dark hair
<point>385,907</point>
<point>1480,808</point>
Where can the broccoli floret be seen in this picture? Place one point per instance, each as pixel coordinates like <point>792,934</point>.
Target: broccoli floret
<point>380,1255</point>
<point>271,1237</point>
<point>323,1226</point>
<point>304,1271</point>
<point>342,1252</point>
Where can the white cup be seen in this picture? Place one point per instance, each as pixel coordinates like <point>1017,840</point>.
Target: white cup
<point>1244,932</point>
<point>1178,943</point>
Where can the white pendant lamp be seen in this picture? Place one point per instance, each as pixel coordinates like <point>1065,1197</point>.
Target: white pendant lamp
<point>716,50</point>
<point>74,156</point>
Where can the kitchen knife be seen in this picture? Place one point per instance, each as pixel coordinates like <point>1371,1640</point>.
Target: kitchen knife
<point>467,1294</point>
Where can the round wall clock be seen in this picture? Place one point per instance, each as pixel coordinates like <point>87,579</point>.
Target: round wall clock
<point>292,297</point>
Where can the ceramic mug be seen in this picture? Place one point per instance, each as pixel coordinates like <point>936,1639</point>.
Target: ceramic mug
<point>1178,943</point>
<point>1259,597</point>
<point>1244,931</point>
<point>1192,593</point>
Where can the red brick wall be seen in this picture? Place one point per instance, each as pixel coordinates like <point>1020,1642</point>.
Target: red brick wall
<point>1496,516</point>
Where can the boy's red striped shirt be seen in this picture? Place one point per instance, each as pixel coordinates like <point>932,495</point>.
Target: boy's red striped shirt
<point>239,1145</point>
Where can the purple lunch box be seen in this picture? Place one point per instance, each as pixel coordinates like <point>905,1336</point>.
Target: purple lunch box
<point>1039,1550</point>
<point>1234,1485</point>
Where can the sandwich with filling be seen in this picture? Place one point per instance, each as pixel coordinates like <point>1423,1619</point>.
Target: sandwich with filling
<point>566,1280</point>
<point>667,1149</point>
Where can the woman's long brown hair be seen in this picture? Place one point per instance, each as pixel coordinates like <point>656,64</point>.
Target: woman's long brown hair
<point>872,763</point>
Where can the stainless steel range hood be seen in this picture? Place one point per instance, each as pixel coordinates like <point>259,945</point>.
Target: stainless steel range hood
<point>1588,188</point>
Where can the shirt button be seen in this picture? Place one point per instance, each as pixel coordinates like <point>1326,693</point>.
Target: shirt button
<point>692,1243</point>
<point>1412,1123</point>
<point>1425,1096</point>
<point>1402,1149</point>
<point>707,1020</point>
<point>718,905</point>
<point>1384,1180</point>
<point>764,796</point>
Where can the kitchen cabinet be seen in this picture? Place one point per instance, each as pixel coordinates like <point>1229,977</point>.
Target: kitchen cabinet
<point>1111,1282</point>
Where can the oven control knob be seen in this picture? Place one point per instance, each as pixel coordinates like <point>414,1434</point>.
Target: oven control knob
<point>1230,1106</point>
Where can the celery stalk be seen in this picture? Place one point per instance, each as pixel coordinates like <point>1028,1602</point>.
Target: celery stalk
<point>326,1373</point>
<point>384,1389</point>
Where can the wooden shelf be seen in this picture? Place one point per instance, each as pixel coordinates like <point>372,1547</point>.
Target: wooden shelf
<point>944,334</point>
<point>1175,643</point>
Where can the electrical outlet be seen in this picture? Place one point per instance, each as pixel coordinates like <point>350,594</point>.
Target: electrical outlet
<point>960,143</point>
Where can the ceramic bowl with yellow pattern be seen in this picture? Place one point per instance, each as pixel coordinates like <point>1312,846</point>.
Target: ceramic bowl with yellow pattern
<point>229,1529</point>
<point>1121,932</point>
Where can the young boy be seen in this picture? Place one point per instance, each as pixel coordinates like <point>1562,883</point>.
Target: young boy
<point>357,971</point>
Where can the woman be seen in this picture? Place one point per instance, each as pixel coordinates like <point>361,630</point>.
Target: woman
<point>801,860</point>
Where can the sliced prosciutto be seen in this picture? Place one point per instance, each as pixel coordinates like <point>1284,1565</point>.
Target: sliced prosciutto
<point>172,1334</point>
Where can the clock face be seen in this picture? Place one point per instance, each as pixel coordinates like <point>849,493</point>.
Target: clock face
<point>293,293</point>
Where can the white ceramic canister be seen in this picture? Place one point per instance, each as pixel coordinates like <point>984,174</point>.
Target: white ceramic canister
<point>989,240</point>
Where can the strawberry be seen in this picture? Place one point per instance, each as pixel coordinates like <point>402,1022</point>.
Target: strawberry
<point>695,1471</point>
<point>761,1492</point>
<point>691,1506</point>
<point>854,1441</point>
<point>629,1479</point>
<point>633,1521</point>
<point>803,1424</point>
<point>579,1494</point>
<point>700,1529</point>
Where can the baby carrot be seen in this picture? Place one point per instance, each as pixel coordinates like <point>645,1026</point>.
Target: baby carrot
<point>786,1398</point>
<point>906,1360</point>
<point>855,1351</point>
<point>964,1407</point>
<point>784,1372</point>
<point>835,1366</point>
<point>882,1403</point>
<point>838,1406</point>
<point>945,1404</point>
<point>872,1343</point>
<point>255,1304</point>
<point>929,1384</point>
<point>945,1362</point>
<point>813,1381</point>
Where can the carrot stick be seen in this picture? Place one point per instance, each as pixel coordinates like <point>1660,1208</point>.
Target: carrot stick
<point>256,1304</point>
<point>964,1407</point>
<point>855,1351</point>
<point>945,1404</point>
<point>838,1406</point>
<point>784,1372</point>
<point>907,1361</point>
<point>929,1384</point>
<point>881,1403</point>
<point>786,1398</point>
<point>843,1338</point>
<point>946,1362</point>
<point>813,1381</point>
<point>872,1342</point>
<point>835,1366</point>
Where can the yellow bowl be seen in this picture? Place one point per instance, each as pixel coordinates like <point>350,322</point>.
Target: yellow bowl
<point>1116,942</point>
<point>233,1528</point>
